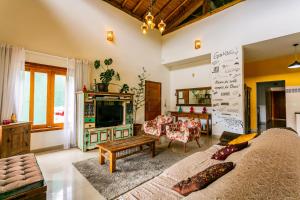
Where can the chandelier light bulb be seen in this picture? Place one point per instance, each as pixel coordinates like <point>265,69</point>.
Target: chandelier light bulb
<point>144,28</point>
<point>152,26</point>
<point>149,18</point>
<point>161,26</point>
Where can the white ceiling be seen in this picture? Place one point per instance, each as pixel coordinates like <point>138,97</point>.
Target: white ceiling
<point>271,48</point>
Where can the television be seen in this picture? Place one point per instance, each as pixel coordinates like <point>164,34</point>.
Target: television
<point>109,113</point>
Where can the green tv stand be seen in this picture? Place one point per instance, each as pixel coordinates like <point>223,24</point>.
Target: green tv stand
<point>88,134</point>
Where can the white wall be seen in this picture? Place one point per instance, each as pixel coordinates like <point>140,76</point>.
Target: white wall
<point>228,91</point>
<point>182,78</point>
<point>245,23</point>
<point>292,106</point>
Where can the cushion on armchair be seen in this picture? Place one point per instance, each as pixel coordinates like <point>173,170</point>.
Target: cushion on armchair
<point>203,179</point>
<point>157,126</point>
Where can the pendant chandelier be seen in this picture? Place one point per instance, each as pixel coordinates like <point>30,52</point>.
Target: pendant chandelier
<point>295,64</point>
<point>150,22</point>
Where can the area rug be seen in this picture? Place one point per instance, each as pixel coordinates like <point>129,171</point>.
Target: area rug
<point>131,171</point>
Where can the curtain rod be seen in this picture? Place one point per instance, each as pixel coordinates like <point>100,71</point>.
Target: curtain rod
<point>47,55</point>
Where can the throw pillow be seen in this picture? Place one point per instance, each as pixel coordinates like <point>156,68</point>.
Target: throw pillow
<point>227,137</point>
<point>243,138</point>
<point>223,153</point>
<point>203,179</point>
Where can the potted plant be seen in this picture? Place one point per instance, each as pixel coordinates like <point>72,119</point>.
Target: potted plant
<point>107,75</point>
<point>138,99</point>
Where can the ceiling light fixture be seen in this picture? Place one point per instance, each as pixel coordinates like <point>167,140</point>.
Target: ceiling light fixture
<point>150,22</point>
<point>295,64</point>
<point>144,28</point>
<point>161,26</point>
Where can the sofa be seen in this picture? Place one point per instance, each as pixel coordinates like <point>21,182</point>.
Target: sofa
<point>269,168</point>
<point>21,178</point>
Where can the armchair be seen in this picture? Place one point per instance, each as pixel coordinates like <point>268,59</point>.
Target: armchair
<point>184,132</point>
<point>157,126</point>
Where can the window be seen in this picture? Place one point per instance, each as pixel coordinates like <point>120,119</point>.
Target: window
<point>44,96</point>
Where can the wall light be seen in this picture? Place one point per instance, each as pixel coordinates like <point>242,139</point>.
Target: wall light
<point>197,44</point>
<point>110,36</point>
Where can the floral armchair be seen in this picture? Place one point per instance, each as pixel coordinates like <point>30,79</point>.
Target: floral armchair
<point>184,132</point>
<point>157,126</point>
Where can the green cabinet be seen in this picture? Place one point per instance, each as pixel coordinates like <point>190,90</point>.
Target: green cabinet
<point>88,135</point>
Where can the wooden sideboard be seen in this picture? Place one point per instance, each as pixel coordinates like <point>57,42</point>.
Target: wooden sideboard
<point>14,139</point>
<point>206,116</point>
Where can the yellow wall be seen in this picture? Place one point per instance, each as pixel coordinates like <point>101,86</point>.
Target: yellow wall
<point>269,70</point>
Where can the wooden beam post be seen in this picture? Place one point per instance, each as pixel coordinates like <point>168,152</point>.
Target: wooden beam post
<point>189,10</point>
<point>124,3</point>
<point>119,6</point>
<point>137,6</point>
<point>175,10</point>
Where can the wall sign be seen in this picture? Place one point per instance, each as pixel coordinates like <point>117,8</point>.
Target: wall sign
<point>227,91</point>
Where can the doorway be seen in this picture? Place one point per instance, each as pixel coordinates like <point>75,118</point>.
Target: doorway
<point>271,105</point>
<point>152,100</point>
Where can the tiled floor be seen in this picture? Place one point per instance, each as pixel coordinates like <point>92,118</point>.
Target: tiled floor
<point>65,182</point>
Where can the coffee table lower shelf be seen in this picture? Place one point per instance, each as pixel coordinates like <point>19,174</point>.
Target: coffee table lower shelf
<point>122,148</point>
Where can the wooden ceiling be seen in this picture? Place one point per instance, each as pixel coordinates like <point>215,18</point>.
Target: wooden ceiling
<point>175,13</point>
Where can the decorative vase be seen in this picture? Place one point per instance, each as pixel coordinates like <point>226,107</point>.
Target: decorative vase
<point>180,109</point>
<point>192,109</point>
<point>102,87</point>
<point>204,110</point>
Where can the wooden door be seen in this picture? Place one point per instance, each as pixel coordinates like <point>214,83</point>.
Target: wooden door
<point>278,105</point>
<point>152,100</point>
<point>269,109</point>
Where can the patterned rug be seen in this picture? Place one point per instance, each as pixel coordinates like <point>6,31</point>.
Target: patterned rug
<point>134,170</point>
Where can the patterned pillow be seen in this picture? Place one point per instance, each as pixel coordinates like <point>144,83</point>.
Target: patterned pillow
<point>203,179</point>
<point>223,153</point>
<point>227,137</point>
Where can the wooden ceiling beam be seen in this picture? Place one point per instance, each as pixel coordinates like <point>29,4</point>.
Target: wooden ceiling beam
<point>137,6</point>
<point>119,6</point>
<point>164,6</point>
<point>146,12</point>
<point>169,30</point>
<point>189,10</point>
<point>175,10</point>
<point>124,3</point>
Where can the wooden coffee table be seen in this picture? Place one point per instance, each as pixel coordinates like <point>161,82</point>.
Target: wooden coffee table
<point>124,147</point>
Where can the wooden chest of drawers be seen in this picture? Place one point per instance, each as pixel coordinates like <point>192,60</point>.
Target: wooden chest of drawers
<point>14,139</point>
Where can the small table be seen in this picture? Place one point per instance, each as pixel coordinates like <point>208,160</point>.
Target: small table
<point>205,116</point>
<point>112,148</point>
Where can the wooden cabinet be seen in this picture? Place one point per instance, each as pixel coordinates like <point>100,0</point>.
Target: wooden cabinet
<point>14,139</point>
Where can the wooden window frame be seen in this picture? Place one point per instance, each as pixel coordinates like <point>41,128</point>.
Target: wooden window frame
<point>51,71</point>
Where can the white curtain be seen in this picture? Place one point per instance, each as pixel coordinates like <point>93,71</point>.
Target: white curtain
<point>77,76</point>
<point>82,74</point>
<point>12,71</point>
